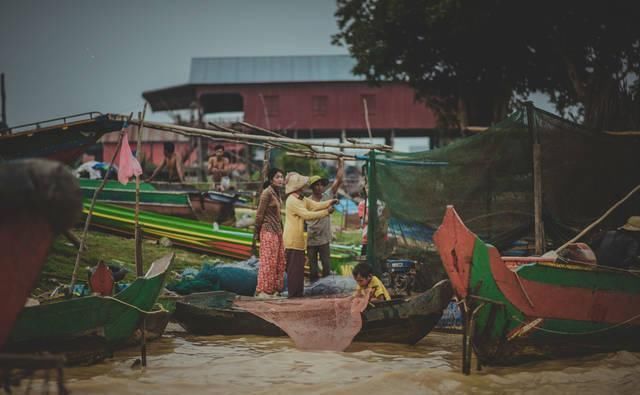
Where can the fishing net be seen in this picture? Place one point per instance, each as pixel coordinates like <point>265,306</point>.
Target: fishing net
<point>323,323</point>
<point>488,178</point>
<point>239,277</point>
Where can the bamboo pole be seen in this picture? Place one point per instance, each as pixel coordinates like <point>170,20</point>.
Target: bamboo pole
<point>478,129</point>
<point>326,156</point>
<point>596,222</point>
<point>537,180</point>
<point>191,131</point>
<point>259,129</point>
<point>366,119</point>
<point>3,100</point>
<point>138,236</point>
<point>83,237</point>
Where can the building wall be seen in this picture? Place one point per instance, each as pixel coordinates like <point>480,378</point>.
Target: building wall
<point>152,151</point>
<point>328,105</point>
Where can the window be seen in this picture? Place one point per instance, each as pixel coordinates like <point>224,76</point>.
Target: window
<point>319,105</point>
<point>272,105</point>
<point>371,103</point>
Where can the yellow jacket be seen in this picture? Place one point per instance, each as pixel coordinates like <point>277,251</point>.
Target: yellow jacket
<point>296,212</point>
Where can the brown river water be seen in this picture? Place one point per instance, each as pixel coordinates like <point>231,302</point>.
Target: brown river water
<point>183,364</point>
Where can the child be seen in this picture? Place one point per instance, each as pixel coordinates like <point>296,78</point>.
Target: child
<point>362,274</point>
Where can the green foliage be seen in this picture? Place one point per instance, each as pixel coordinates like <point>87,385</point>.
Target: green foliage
<point>469,60</point>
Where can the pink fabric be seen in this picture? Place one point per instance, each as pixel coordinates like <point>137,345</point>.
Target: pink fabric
<point>272,262</point>
<point>328,323</point>
<point>128,166</point>
<point>364,219</point>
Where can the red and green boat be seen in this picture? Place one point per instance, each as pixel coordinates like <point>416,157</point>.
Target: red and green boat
<point>523,308</point>
<point>38,200</point>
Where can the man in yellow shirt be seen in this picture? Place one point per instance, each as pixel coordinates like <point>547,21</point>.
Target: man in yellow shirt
<point>367,281</point>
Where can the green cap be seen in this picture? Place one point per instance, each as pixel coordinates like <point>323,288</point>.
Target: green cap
<point>314,179</point>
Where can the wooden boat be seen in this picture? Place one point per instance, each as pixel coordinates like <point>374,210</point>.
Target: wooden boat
<point>397,321</point>
<point>520,308</point>
<point>38,200</point>
<point>63,139</point>
<point>89,328</point>
<point>190,234</point>
<point>167,199</point>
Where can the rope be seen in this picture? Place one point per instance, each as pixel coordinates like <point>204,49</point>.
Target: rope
<point>161,310</point>
<point>581,333</point>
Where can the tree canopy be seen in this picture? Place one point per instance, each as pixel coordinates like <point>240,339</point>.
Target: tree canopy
<point>469,60</point>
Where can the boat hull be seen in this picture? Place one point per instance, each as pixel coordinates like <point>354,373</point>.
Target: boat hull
<point>178,202</point>
<point>537,309</point>
<point>38,200</point>
<point>88,326</point>
<point>400,321</point>
<point>63,139</point>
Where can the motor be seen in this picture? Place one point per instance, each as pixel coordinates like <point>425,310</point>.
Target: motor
<point>400,276</point>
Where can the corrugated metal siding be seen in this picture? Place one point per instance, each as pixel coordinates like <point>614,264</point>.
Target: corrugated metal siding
<point>266,69</point>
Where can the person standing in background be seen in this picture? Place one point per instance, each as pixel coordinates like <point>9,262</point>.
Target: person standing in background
<point>319,234</point>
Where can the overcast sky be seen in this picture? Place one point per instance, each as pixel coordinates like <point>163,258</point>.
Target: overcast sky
<point>62,57</point>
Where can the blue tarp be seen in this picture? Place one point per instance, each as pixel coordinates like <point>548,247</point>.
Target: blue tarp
<point>347,205</point>
<point>331,285</point>
<point>240,278</point>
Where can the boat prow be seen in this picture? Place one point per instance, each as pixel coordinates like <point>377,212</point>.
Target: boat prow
<point>38,200</point>
<point>520,309</point>
<point>89,328</point>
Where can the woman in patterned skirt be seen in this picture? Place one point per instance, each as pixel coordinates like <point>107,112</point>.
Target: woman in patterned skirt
<point>268,230</point>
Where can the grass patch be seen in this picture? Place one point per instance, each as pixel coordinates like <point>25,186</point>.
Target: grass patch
<point>112,249</point>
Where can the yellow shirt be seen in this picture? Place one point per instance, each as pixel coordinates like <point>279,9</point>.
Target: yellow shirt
<point>296,212</point>
<point>377,289</point>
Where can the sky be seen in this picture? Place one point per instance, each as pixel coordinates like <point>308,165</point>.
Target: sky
<point>63,57</point>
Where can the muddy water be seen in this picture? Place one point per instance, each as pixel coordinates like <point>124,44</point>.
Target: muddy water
<point>183,364</point>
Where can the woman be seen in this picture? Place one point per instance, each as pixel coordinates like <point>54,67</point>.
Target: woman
<point>299,209</point>
<point>268,229</point>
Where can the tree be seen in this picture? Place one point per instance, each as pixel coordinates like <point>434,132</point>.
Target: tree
<point>469,60</point>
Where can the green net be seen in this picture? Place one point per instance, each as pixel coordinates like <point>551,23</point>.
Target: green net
<point>488,177</point>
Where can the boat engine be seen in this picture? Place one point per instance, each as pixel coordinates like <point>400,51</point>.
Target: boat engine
<point>400,276</point>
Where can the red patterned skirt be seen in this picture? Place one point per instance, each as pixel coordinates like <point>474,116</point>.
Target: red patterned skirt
<point>272,263</point>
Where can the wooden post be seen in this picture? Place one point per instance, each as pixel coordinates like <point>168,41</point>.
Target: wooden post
<point>366,119</point>
<point>465,340</point>
<point>265,167</point>
<point>138,235</point>
<point>3,98</point>
<point>537,180</point>
<point>83,238</point>
<point>202,147</point>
